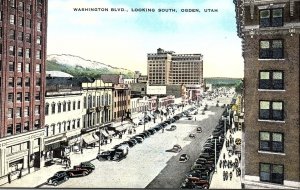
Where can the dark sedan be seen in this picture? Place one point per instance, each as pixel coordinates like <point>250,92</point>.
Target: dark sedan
<point>77,172</point>
<point>58,178</point>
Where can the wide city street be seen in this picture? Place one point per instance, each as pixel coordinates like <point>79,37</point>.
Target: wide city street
<point>148,164</point>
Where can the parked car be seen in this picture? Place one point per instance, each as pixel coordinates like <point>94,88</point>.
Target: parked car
<point>192,135</point>
<point>152,131</point>
<point>198,182</point>
<point>58,178</point>
<point>130,143</point>
<point>176,148</point>
<point>139,139</point>
<point>184,158</point>
<point>190,117</point>
<point>76,171</point>
<point>199,130</point>
<point>86,165</point>
<point>106,155</point>
<point>172,128</point>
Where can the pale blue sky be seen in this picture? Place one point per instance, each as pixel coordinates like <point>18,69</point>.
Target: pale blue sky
<point>123,39</point>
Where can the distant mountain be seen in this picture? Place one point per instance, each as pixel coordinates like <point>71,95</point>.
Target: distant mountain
<point>78,66</point>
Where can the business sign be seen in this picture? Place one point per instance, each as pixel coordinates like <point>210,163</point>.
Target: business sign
<point>152,90</point>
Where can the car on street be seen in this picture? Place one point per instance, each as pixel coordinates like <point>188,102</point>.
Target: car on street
<point>139,139</point>
<point>130,143</point>
<point>199,130</point>
<point>76,171</point>
<point>106,155</point>
<point>184,158</point>
<point>192,135</point>
<point>190,117</point>
<point>202,167</point>
<point>172,128</point>
<point>58,178</point>
<point>86,165</point>
<point>176,148</point>
<point>198,182</point>
<point>152,131</point>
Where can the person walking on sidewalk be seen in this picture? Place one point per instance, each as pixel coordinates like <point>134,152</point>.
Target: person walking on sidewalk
<point>81,150</point>
<point>230,176</point>
<point>110,140</point>
<point>224,175</point>
<point>220,164</point>
<point>223,155</point>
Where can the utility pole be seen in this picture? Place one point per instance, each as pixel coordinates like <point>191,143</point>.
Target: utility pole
<point>215,155</point>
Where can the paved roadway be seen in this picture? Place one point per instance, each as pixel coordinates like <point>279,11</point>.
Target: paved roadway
<point>147,164</point>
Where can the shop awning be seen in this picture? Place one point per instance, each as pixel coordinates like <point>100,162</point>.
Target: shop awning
<point>89,139</point>
<point>123,127</point>
<point>104,133</point>
<point>110,132</point>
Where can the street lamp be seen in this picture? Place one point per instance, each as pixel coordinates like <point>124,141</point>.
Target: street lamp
<point>145,114</point>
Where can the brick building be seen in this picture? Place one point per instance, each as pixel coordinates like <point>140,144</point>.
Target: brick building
<point>269,30</point>
<point>23,38</point>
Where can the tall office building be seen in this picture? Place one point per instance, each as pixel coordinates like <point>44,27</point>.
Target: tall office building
<point>166,67</point>
<point>23,34</point>
<point>270,30</point>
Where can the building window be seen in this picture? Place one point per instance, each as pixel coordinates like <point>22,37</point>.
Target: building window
<point>27,67</point>
<point>64,106</point>
<point>271,49</point>
<point>37,124</point>
<point>18,112</point>
<point>12,34</point>
<point>12,50</point>
<point>28,38</point>
<point>38,68</point>
<point>78,123</point>
<point>11,66</point>
<point>27,96</point>
<point>47,109</point>
<point>69,106</point>
<point>271,18</point>
<point>53,108</point>
<point>68,125</point>
<point>26,111</point>
<point>84,102</point>
<point>20,36</point>
<point>74,105</point>
<point>12,3</point>
<point>59,107</point>
<point>19,97</point>
<point>38,81</point>
<point>37,96</point>
<point>271,110</point>
<point>39,40</point>
<point>78,105</point>
<point>27,53</point>
<point>20,52</point>
<point>21,6</point>
<point>11,82</point>
<point>10,97</point>
<point>21,21</point>
<point>271,173</point>
<point>271,141</point>
<point>37,110</point>
<point>9,130</point>
<point>26,126</point>
<point>271,80</point>
<point>27,81</point>
<point>29,8</point>
<point>18,128</point>
<point>73,124</point>
<point>12,19</point>
<point>39,27</point>
<point>19,82</point>
<point>28,23</point>
<point>10,113</point>
<point>38,54</point>
<point>20,67</point>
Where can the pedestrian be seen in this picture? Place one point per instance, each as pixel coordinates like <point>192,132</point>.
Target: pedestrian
<point>195,118</point>
<point>230,175</point>
<point>224,175</point>
<point>20,174</point>
<point>223,155</point>
<point>9,177</point>
<point>220,163</point>
<point>67,165</point>
<point>81,150</point>
<point>162,130</point>
<point>224,163</point>
<point>110,140</point>
<point>69,162</point>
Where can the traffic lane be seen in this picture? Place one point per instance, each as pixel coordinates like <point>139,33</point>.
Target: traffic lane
<point>174,173</point>
<point>143,163</point>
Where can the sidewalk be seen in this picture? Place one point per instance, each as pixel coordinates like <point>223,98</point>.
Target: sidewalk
<point>217,181</point>
<point>39,177</point>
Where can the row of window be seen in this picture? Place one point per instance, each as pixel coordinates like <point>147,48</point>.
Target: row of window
<point>21,36</point>
<point>62,127</point>
<point>20,52</point>
<point>12,67</point>
<point>65,106</point>
<point>102,100</point>
<point>24,22</point>
<point>12,4</point>
<point>19,97</point>
<point>19,128</point>
<point>17,112</point>
<point>19,82</point>
<point>273,173</point>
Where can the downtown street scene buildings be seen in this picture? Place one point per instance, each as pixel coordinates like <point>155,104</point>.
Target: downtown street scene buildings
<point>270,33</point>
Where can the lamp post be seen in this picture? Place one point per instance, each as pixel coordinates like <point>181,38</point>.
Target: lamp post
<point>145,113</point>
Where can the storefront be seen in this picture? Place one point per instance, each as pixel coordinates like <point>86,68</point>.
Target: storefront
<point>53,148</point>
<point>90,139</point>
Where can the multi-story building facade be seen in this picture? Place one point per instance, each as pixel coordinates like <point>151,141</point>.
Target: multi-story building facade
<point>23,38</point>
<point>121,96</point>
<point>63,117</point>
<point>270,33</point>
<point>166,67</point>
<point>97,108</point>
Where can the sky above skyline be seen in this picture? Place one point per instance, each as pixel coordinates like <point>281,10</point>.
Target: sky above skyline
<point>123,39</point>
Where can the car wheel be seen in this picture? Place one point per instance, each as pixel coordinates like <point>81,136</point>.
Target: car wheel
<point>205,186</point>
<point>108,158</point>
<point>66,178</point>
<point>84,173</point>
<point>55,183</point>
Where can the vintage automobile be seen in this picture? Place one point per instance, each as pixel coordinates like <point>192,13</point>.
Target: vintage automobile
<point>198,182</point>
<point>199,130</point>
<point>172,128</point>
<point>176,148</point>
<point>86,165</point>
<point>77,171</point>
<point>58,178</point>
<point>184,158</point>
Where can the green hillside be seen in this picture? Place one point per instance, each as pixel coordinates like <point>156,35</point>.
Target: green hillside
<point>80,71</point>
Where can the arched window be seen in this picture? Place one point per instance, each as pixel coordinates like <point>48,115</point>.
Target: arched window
<point>46,109</point>
<point>53,108</point>
<point>59,107</point>
<point>90,101</point>
<point>69,105</point>
<point>47,130</point>
<point>64,106</point>
<point>59,127</point>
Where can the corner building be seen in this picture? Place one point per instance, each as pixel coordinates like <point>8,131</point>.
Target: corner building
<point>23,34</point>
<point>269,30</point>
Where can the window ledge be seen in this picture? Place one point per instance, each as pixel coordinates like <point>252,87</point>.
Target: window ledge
<point>275,153</point>
<point>271,59</point>
<point>271,121</point>
<point>270,90</point>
